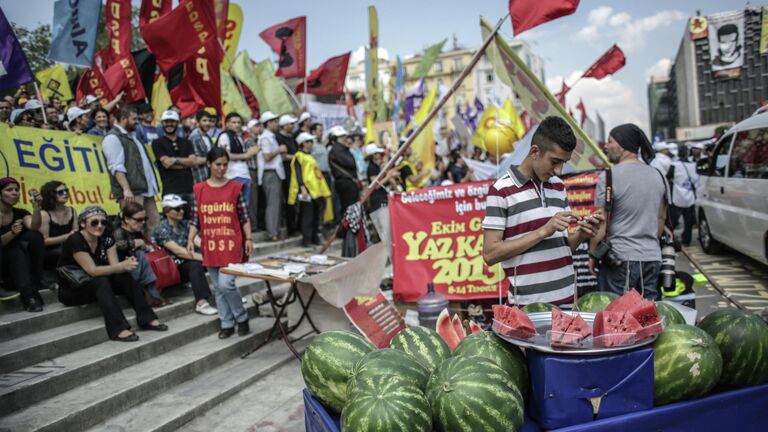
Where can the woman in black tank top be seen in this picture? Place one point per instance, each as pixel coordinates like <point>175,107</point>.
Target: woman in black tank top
<point>58,220</point>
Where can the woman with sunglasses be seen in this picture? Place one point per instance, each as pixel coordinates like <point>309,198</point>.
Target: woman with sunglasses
<point>58,220</point>
<point>221,217</point>
<point>172,234</point>
<point>23,245</point>
<point>130,242</point>
<point>94,252</point>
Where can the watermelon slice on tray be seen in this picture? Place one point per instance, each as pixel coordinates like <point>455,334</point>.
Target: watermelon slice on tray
<point>512,322</point>
<point>445,328</point>
<point>567,330</point>
<point>644,312</point>
<point>614,328</point>
<point>626,302</point>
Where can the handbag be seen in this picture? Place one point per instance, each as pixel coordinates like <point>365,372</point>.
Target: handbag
<point>75,275</point>
<point>163,265</point>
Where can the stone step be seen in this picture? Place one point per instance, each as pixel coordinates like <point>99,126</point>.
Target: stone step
<point>195,398</point>
<point>24,387</point>
<point>101,399</point>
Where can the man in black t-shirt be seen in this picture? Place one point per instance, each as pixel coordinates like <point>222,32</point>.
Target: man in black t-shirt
<point>285,138</point>
<point>175,158</point>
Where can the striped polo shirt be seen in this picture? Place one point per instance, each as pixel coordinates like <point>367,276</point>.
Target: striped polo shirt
<point>518,206</point>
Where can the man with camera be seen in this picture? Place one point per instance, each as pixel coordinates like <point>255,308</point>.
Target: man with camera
<point>633,196</point>
<point>527,220</point>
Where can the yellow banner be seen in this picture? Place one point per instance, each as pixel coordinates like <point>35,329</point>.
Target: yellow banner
<point>372,80</point>
<point>232,33</point>
<point>539,102</point>
<point>36,156</point>
<point>53,82</point>
<point>764,32</point>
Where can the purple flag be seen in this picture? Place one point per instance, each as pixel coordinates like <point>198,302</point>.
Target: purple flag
<point>14,69</point>
<point>410,107</point>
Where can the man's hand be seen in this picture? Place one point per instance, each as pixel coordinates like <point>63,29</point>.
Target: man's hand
<point>127,195</point>
<point>590,225</point>
<point>592,266</point>
<point>253,151</point>
<point>248,247</point>
<point>558,222</point>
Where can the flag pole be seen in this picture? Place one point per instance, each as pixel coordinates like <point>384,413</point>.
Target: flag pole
<point>401,150</point>
<point>40,98</point>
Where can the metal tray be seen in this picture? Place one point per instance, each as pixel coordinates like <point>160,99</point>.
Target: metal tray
<point>540,342</point>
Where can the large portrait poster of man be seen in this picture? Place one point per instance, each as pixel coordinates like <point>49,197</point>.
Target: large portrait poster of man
<point>726,42</point>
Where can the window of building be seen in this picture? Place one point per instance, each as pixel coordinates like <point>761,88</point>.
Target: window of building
<point>489,77</point>
<point>721,156</point>
<point>438,66</point>
<point>749,157</point>
<point>458,65</point>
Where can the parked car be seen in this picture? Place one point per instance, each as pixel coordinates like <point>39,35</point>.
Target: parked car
<point>732,206</point>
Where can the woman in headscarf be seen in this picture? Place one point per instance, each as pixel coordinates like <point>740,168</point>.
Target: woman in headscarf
<point>92,251</point>
<point>23,245</point>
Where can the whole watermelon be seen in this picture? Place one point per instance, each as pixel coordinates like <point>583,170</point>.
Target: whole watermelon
<point>386,403</point>
<point>595,301</point>
<point>743,341</point>
<point>472,394</point>
<point>672,315</point>
<point>328,363</point>
<point>424,344</point>
<point>487,345</point>
<point>538,307</point>
<point>389,361</point>
<point>687,364</point>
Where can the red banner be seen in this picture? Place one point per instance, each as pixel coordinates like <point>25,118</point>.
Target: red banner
<point>375,318</point>
<point>289,41</point>
<point>437,236</point>
<point>92,83</point>
<point>220,11</point>
<point>118,16</point>
<point>152,10</point>
<point>123,76</point>
<point>203,73</point>
<point>328,79</point>
<point>581,198</point>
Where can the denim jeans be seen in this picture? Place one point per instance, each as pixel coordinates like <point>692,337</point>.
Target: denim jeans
<point>246,181</point>
<point>144,275</point>
<point>229,302</point>
<point>629,275</point>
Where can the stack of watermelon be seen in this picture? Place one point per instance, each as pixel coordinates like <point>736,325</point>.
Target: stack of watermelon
<point>626,320</point>
<point>513,322</point>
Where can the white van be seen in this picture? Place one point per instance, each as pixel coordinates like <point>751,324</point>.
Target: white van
<point>732,206</point>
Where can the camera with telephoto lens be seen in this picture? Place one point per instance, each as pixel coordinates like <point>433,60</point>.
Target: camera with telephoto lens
<point>604,254</point>
<point>668,255</point>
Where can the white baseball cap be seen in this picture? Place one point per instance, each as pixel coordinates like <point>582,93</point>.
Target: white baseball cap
<point>304,116</point>
<point>372,149</point>
<point>338,131</point>
<point>172,201</point>
<point>672,148</point>
<point>286,119</point>
<point>251,123</point>
<point>75,112</point>
<point>169,115</point>
<point>698,145</point>
<point>267,116</point>
<point>659,146</point>
<point>32,104</point>
<point>89,99</point>
<point>304,137</point>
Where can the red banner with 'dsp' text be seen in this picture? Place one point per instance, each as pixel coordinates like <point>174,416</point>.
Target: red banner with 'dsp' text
<point>437,236</point>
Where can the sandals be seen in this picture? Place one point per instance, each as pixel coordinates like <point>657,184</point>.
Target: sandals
<point>159,327</point>
<point>133,337</point>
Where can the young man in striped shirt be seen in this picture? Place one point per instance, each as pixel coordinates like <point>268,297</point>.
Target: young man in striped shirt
<point>527,219</point>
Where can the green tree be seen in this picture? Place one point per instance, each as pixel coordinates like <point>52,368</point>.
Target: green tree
<point>35,43</point>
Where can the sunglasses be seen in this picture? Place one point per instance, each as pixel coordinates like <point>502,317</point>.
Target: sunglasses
<point>142,220</point>
<point>62,192</point>
<point>96,222</point>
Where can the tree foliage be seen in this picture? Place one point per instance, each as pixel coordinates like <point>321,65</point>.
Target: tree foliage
<point>35,43</point>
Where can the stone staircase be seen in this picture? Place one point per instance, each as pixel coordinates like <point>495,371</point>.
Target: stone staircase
<point>59,371</point>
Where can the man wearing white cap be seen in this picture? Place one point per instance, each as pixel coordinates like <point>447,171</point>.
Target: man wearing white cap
<point>663,159</point>
<point>175,158</point>
<point>696,150</point>
<point>303,124</point>
<point>271,173</point>
<point>232,140</point>
<point>285,138</point>
<point>36,108</point>
<point>254,129</point>
<point>375,156</point>
<point>343,168</point>
<point>77,119</point>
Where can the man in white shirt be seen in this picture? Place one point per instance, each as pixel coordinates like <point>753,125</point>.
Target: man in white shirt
<point>232,141</point>
<point>271,173</point>
<point>131,174</point>
<point>685,184</point>
<point>663,159</point>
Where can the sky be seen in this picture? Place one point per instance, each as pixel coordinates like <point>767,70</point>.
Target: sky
<point>648,31</point>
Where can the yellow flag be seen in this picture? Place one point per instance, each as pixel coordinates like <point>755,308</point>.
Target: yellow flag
<point>53,82</point>
<point>232,35</point>
<point>510,114</point>
<point>370,134</point>
<point>423,146</point>
<point>161,99</point>
<point>231,99</point>
<point>372,78</point>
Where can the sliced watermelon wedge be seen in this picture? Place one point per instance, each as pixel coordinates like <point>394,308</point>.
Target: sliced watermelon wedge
<point>460,332</point>
<point>475,327</point>
<point>444,327</point>
<point>567,330</point>
<point>625,302</point>
<point>614,328</point>
<point>513,322</point>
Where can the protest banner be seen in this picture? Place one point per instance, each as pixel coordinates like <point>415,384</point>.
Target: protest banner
<point>437,236</point>
<point>36,156</point>
<point>580,188</point>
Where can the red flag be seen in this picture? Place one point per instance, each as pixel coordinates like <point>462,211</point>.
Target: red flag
<point>203,74</point>
<point>92,83</point>
<point>124,76</point>
<point>152,10</point>
<point>220,11</point>
<point>328,79</point>
<point>178,35</point>
<point>609,63</point>
<point>187,99</point>
<point>561,96</point>
<point>288,40</point>
<point>527,14</point>
<point>102,60</point>
<point>118,16</point>
<point>583,112</point>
